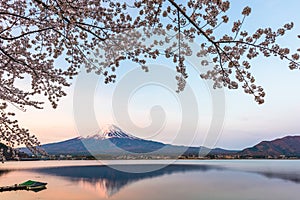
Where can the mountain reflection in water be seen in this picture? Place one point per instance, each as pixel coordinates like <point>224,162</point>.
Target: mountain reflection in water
<point>252,179</point>
<point>109,180</point>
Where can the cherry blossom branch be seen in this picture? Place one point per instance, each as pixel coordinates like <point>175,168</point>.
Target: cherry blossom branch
<point>17,61</point>
<point>15,15</point>
<point>191,21</point>
<point>27,33</point>
<point>260,47</point>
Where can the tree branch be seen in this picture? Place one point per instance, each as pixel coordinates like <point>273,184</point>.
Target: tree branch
<point>257,46</point>
<point>27,33</point>
<point>191,21</point>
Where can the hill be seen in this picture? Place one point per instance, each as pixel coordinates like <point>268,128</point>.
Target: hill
<point>288,146</point>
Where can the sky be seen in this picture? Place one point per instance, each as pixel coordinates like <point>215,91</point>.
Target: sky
<point>147,106</point>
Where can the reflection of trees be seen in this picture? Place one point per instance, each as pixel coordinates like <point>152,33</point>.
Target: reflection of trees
<point>111,180</point>
<point>2,172</point>
<point>283,176</point>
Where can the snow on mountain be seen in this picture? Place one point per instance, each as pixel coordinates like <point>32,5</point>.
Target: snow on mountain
<point>110,131</point>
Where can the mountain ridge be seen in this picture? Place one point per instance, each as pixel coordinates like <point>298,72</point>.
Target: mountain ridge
<point>284,146</point>
<point>112,141</point>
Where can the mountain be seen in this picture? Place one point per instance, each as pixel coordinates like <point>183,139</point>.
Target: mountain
<point>110,131</point>
<point>288,146</point>
<point>220,151</point>
<point>112,141</point>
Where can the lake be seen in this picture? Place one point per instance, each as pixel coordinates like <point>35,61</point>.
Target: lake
<point>182,179</point>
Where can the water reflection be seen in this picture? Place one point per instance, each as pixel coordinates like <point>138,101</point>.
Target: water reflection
<point>2,172</point>
<point>109,181</point>
<point>39,189</point>
<point>251,180</point>
<point>283,176</point>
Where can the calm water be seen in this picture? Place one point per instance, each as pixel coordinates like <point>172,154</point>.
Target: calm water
<point>199,180</point>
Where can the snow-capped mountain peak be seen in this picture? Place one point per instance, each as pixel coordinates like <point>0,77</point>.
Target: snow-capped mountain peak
<point>108,128</point>
<point>110,131</point>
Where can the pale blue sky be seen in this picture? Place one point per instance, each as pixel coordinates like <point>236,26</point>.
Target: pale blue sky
<point>246,123</point>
